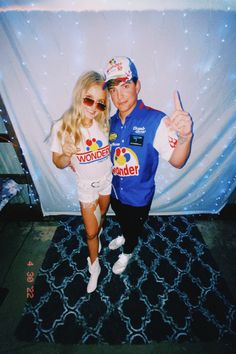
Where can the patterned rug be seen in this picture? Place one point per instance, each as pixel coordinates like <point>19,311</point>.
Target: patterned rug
<point>171,291</point>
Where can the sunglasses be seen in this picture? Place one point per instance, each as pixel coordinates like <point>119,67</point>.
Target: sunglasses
<point>90,102</point>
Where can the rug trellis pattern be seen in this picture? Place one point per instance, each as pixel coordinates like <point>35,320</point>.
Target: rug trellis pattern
<point>172,290</point>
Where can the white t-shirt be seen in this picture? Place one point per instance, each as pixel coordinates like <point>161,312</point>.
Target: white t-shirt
<point>92,162</point>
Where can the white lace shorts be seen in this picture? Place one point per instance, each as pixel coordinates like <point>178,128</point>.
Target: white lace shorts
<point>89,191</point>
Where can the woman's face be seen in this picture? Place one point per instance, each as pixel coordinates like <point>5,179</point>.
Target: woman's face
<point>93,101</point>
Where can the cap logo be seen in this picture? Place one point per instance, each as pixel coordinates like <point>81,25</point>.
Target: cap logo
<point>114,67</point>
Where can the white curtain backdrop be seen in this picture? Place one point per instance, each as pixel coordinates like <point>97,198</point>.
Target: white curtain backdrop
<point>46,45</point>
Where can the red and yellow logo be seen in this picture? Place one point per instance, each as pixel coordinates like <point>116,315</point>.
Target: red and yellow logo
<point>125,162</point>
<point>95,151</point>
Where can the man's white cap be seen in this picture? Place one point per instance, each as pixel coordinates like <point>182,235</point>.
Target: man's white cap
<point>120,68</point>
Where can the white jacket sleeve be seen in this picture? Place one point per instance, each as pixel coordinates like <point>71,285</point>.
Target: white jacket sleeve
<point>165,140</point>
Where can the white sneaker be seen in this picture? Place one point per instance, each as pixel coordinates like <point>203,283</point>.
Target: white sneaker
<point>116,243</point>
<point>122,263</point>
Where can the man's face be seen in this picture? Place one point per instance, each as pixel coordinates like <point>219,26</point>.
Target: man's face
<point>124,96</point>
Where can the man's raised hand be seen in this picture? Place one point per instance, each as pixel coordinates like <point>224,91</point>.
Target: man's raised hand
<point>179,121</point>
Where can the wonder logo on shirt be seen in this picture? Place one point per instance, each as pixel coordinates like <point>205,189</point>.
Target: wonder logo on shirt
<point>94,152</point>
<point>125,162</point>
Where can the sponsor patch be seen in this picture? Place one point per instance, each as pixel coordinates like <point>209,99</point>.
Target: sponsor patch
<point>172,141</point>
<point>112,137</point>
<point>136,140</point>
<point>139,130</point>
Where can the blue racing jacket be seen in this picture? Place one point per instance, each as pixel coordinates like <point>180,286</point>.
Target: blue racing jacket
<point>134,158</point>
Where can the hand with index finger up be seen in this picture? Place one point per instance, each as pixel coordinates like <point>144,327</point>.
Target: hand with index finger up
<point>179,121</point>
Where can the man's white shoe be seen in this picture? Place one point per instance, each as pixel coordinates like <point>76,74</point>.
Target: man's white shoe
<point>122,263</point>
<point>116,243</point>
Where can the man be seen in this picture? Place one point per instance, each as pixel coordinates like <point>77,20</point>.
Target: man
<point>138,136</point>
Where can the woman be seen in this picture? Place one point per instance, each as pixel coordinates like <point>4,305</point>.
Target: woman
<point>80,140</point>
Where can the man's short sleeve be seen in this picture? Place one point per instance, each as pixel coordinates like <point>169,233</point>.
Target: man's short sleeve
<point>165,140</point>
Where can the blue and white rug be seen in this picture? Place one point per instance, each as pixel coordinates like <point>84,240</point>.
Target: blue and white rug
<point>171,291</point>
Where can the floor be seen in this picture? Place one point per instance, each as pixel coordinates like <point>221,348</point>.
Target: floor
<point>23,241</point>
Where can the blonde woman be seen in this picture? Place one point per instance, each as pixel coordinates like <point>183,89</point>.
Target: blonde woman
<point>80,140</point>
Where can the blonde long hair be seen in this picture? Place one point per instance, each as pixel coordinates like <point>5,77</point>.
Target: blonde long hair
<point>72,119</point>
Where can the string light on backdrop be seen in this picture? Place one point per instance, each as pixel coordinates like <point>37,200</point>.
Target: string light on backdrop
<point>186,46</point>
